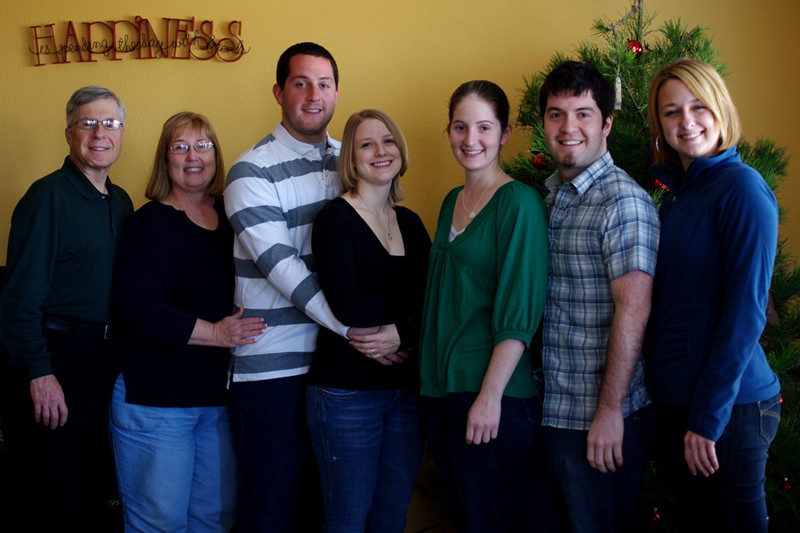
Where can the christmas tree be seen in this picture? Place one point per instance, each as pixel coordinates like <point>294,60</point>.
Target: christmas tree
<point>629,54</point>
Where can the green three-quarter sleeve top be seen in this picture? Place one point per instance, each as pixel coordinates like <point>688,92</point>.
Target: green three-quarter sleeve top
<point>484,287</point>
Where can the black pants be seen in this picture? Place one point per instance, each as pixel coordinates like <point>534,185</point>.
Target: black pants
<point>62,479</point>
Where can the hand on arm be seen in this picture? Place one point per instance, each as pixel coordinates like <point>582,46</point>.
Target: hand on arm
<point>375,342</point>
<point>49,406</point>
<point>229,332</point>
<point>360,332</point>
<point>700,454</point>
<point>632,297</point>
<point>483,419</point>
<point>380,343</point>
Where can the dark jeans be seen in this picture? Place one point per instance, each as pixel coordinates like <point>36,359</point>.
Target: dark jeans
<point>63,479</point>
<point>279,486</point>
<point>597,502</point>
<point>368,446</point>
<point>489,487</point>
<point>733,498</point>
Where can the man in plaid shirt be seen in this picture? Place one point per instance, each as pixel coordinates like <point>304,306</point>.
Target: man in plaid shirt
<point>603,236</point>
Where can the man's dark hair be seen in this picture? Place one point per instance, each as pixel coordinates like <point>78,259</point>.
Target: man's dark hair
<point>574,78</point>
<point>311,49</point>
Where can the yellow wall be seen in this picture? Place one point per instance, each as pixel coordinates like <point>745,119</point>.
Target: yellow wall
<point>404,57</point>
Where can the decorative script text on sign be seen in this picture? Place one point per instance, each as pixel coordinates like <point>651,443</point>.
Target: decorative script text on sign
<point>136,39</point>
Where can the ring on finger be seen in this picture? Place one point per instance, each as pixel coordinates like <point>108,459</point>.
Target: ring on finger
<point>372,352</point>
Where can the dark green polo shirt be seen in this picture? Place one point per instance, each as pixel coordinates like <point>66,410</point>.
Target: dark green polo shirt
<point>61,250</point>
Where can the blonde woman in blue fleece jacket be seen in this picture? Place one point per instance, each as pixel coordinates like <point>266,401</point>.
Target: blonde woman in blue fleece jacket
<point>718,400</point>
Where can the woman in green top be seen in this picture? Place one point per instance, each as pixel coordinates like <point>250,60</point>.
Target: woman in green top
<point>485,297</point>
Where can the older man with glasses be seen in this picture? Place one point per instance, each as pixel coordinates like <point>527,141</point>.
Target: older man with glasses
<point>55,322</point>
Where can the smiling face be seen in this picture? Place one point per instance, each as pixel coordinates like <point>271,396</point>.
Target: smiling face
<point>476,134</point>
<point>376,157</point>
<point>94,151</point>
<point>192,172</point>
<point>688,124</point>
<point>308,98</point>
<point>575,132</point>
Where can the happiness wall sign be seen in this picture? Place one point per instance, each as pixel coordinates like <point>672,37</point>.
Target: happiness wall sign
<point>136,38</point>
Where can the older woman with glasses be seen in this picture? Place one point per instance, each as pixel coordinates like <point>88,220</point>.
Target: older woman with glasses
<point>173,292</point>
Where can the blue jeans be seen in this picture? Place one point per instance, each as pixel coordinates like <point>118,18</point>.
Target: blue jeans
<point>279,489</point>
<point>488,487</point>
<point>368,446</point>
<point>597,502</point>
<point>733,498</point>
<point>176,466</point>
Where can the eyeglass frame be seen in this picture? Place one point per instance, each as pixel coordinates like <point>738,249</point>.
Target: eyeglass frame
<point>93,122</point>
<point>171,147</point>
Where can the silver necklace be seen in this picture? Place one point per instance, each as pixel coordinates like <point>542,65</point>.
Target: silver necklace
<point>375,213</point>
<point>471,214</point>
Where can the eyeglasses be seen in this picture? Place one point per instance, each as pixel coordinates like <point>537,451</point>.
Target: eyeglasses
<point>110,124</point>
<point>200,147</point>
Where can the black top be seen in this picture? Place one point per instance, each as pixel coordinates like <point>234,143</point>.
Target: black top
<point>366,286</point>
<point>170,272</point>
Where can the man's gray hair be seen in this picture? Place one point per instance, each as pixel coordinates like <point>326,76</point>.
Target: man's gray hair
<point>85,95</point>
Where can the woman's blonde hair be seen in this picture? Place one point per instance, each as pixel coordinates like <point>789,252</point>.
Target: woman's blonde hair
<point>348,176</point>
<point>706,85</point>
<point>159,184</point>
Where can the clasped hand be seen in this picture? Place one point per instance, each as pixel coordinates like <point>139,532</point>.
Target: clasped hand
<point>379,343</point>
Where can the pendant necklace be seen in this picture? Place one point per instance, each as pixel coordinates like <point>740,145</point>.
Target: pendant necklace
<point>388,218</point>
<point>472,214</point>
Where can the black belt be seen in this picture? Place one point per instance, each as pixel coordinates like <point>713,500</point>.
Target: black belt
<point>102,331</point>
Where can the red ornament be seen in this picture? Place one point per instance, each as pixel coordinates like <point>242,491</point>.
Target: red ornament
<point>656,515</point>
<point>786,484</point>
<point>539,162</point>
<point>660,185</point>
<point>635,47</point>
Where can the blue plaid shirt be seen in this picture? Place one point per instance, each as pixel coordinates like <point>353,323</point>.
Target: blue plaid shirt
<point>602,226</point>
